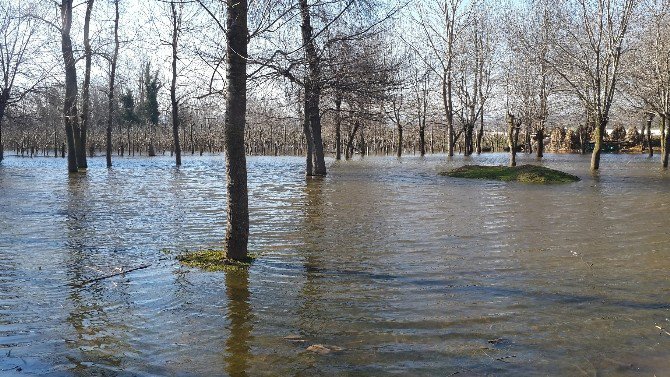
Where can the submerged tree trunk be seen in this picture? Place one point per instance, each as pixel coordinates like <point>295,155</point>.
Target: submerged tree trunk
<point>480,134</point>
<point>651,149</point>
<point>85,90</point>
<point>112,78</point>
<point>173,88</point>
<point>70,103</point>
<point>4,97</point>
<point>350,141</point>
<point>338,127</point>
<point>422,137</point>
<point>237,229</point>
<point>449,114</point>
<point>313,89</point>
<point>512,138</point>
<point>665,139</point>
<point>597,148</point>
<point>309,168</point>
<point>399,151</point>
<point>539,135</point>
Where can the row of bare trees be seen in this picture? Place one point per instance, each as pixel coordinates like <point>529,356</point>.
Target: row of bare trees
<point>461,66</point>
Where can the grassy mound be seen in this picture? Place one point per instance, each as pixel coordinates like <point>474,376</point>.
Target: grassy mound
<point>523,173</point>
<point>212,260</point>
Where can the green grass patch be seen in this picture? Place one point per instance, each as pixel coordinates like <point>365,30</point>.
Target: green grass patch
<point>523,173</point>
<point>212,260</point>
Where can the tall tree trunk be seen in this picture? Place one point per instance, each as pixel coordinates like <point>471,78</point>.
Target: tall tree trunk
<point>173,87</point>
<point>313,89</point>
<point>400,141</point>
<point>528,141</point>
<point>512,137</point>
<point>350,141</point>
<point>112,78</point>
<point>309,160</point>
<point>85,90</point>
<point>449,114</point>
<point>422,136</point>
<point>237,230</point>
<point>70,103</point>
<point>597,148</point>
<point>4,97</point>
<point>539,135</point>
<point>480,133</point>
<point>338,127</point>
<point>665,137</point>
<point>651,149</point>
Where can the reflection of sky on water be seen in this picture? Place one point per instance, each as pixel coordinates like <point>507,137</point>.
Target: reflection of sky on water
<point>408,271</point>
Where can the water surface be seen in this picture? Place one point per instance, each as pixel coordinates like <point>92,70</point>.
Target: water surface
<point>410,273</point>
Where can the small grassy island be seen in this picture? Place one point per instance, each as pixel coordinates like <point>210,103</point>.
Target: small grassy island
<point>212,260</point>
<point>523,173</point>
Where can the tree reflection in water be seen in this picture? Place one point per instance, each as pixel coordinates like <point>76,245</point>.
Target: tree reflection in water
<point>240,317</point>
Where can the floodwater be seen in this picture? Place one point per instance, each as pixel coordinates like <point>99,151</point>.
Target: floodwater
<point>396,270</point>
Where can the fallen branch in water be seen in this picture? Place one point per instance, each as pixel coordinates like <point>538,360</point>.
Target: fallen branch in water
<point>663,330</point>
<point>122,272</point>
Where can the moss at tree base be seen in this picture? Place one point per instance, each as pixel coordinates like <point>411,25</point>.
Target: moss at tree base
<point>212,260</point>
<point>523,173</point>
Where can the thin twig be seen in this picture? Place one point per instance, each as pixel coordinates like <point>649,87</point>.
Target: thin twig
<point>85,282</point>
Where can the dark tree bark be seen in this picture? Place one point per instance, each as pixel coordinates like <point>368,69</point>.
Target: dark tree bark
<point>338,127</point>
<point>85,91</point>
<point>350,141</point>
<point>4,98</point>
<point>70,108</point>
<point>110,95</point>
<point>651,149</point>
<point>237,34</point>
<point>598,147</point>
<point>539,135</point>
<point>399,151</point>
<point>665,139</point>
<point>312,89</point>
<point>309,160</point>
<point>480,133</point>
<point>397,108</point>
<point>512,138</point>
<point>173,88</point>
<point>422,136</point>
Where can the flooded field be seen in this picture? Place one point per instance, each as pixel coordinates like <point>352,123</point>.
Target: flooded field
<point>392,268</point>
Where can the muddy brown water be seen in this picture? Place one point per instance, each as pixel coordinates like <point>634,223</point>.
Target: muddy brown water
<point>396,270</point>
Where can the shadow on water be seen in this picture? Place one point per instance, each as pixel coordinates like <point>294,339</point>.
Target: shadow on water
<point>238,344</point>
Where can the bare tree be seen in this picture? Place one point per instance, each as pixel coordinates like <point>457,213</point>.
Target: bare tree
<point>588,56</point>
<point>176,29</point>
<point>473,67</point>
<point>17,52</point>
<point>313,88</point>
<point>421,94</point>
<point>85,90</point>
<point>440,22</point>
<point>111,103</point>
<point>648,75</point>
<point>70,105</point>
<point>529,32</point>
